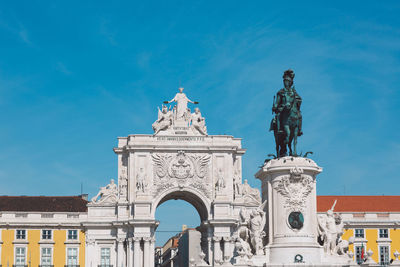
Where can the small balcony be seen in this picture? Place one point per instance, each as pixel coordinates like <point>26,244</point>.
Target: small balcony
<point>20,265</point>
<point>71,265</point>
<point>102,265</point>
<point>45,265</point>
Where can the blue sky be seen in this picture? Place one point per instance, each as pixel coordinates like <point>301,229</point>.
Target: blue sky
<point>74,76</point>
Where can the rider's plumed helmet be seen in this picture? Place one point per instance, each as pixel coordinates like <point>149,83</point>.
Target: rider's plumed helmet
<point>288,75</point>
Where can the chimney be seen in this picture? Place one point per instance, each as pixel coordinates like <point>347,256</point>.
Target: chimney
<point>84,196</point>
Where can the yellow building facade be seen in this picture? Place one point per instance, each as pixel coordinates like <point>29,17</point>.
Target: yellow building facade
<point>42,231</point>
<point>35,251</point>
<point>372,242</point>
<point>50,231</point>
<point>371,223</point>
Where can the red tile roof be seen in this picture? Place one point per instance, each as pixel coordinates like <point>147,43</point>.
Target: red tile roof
<point>43,203</point>
<point>77,204</point>
<point>359,203</point>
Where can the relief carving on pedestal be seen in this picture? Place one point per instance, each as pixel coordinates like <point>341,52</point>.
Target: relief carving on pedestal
<point>295,188</point>
<point>180,170</point>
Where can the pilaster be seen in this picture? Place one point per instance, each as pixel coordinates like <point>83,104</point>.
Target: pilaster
<point>136,251</point>
<point>120,252</point>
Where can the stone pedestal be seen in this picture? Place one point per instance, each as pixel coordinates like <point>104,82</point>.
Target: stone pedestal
<point>289,185</point>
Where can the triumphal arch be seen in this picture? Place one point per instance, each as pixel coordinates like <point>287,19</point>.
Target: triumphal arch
<point>180,160</point>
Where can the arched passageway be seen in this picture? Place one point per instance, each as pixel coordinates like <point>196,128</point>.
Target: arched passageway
<point>199,202</point>
<point>172,215</point>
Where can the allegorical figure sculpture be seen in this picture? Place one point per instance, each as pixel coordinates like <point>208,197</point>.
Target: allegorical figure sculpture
<point>107,193</point>
<point>179,119</point>
<point>181,101</point>
<point>256,225</point>
<point>198,122</point>
<point>287,121</point>
<point>330,229</point>
<point>164,120</point>
<point>251,232</point>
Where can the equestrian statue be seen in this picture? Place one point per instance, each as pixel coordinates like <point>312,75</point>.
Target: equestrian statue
<point>287,122</point>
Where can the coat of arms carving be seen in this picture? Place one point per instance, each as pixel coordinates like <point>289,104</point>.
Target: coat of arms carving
<point>180,166</point>
<point>180,170</point>
<point>295,188</point>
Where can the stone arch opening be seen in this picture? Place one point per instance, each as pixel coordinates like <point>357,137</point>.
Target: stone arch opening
<point>199,202</point>
<point>201,205</point>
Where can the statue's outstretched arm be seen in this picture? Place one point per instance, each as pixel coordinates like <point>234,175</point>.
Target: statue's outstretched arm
<point>334,204</point>
<point>193,102</point>
<point>172,100</point>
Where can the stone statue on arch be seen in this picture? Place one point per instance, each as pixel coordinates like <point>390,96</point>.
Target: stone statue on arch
<point>181,110</point>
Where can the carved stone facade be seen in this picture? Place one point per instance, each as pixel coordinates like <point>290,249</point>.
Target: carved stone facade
<point>238,226</point>
<point>181,170</point>
<point>180,161</point>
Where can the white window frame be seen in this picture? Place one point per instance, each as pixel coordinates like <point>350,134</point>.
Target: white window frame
<point>66,254</point>
<point>379,233</point>
<point>51,255</point>
<point>110,256</point>
<point>46,239</point>
<point>77,235</point>
<point>355,253</point>
<point>15,254</point>
<point>16,235</point>
<point>363,231</point>
<point>388,254</point>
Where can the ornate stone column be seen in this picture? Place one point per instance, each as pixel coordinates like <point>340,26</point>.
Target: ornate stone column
<point>136,252</point>
<point>289,185</point>
<point>120,252</point>
<point>210,250</point>
<point>90,243</point>
<point>152,251</point>
<point>129,252</point>
<point>227,252</point>
<point>232,242</point>
<point>217,249</point>
<point>146,251</point>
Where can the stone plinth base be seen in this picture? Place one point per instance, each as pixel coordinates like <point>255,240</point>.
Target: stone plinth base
<point>286,254</point>
<point>289,185</point>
